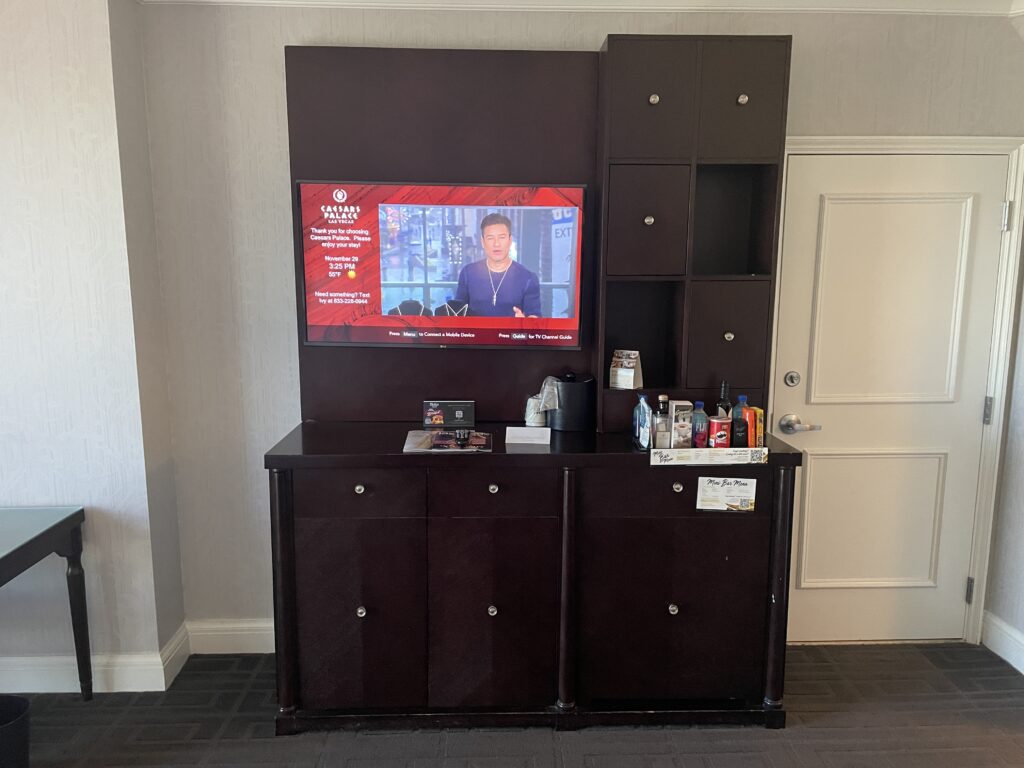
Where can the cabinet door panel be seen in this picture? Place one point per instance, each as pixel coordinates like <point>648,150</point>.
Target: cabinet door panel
<point>638,69</point>
<point>653,493</point>
<point>648,214</point>
<point>730,70</point>
<point>348,661</point>
<point>361,492</point>
<point>728,333</point>
<point>508,659</point>
<point>495,492</point>
<point>633,647</point>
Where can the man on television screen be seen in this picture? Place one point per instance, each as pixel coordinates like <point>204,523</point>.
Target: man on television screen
<point>497,286</point>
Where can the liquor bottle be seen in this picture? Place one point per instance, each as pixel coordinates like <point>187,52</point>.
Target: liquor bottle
<point>662,424</point>
<point>724,406</point>
<point>740,434</point>
<point>700,425</point>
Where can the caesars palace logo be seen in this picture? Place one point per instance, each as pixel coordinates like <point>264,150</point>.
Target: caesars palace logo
<point>346,214</point>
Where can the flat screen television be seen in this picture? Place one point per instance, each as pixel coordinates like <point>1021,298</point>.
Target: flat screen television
<point>434,265</point>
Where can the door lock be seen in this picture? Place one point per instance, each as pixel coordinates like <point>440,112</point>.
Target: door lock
<point>792,378</point>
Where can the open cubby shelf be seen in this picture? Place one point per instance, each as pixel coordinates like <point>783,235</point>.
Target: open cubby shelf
<point>734,220</point>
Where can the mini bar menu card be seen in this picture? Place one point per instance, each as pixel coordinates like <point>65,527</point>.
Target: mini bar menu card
<point>734,494</point>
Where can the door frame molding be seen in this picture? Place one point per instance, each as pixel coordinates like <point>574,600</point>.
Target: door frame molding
<point>1001,349</point>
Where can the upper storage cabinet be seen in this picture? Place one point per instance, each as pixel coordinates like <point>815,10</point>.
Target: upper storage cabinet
<point>743,99</point>
<point>651,97</point>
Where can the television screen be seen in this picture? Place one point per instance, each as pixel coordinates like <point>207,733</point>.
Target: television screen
<point>436,265</point>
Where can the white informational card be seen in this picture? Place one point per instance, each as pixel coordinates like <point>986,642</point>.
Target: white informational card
<point>672,457</point>
<point>734,494</point>
<point>528,435</point>
<point>625,372</point>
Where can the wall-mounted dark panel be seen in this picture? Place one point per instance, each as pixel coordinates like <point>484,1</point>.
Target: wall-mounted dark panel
<point>417,115</point>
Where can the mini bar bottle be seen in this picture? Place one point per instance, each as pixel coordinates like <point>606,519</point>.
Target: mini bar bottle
<point>724,406</point>
<point>662,424</point>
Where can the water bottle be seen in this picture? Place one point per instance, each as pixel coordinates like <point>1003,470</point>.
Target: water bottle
<point>700,425</point>
<point>739,424</point>
<point>642,423</point>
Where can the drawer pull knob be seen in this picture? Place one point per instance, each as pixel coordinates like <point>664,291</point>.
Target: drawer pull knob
<point>492,488</point>
<point>729,336</point>
<point>673,608</point>
<point>361,612</point>
<point>654,98</point>
<point>648,220</point>
<point>742,99</point>
<point>492,610</point>
<point>360,488</point>
<point>677,487</point>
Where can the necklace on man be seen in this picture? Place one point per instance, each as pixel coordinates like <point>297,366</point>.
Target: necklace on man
<point>494,291</point>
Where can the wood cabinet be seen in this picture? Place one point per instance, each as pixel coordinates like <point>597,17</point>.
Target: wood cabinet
<point>493,552</point>
<point>581,586</point>
<point>690,227</point>
<point>680,614</point>
<point>577,587</point>
<point>360,587</point>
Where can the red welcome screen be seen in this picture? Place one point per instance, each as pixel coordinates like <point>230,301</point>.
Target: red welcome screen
<point>433,265</point>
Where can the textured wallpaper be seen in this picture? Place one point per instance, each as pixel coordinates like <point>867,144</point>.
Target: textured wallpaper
<point>1005,597</point>
<point>147,312</point>
<point>218,141</point>
<point>70,430</point>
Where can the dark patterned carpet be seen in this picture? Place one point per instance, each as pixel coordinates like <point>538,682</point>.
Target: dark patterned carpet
<point>922,706</point>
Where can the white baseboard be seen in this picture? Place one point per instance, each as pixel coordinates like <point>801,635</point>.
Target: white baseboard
<point>1003,640</point>
<point>115,672</point>
<point>231,635</point>
<point>174,654</point>
<point>59,674</point>
<point>111,672</point>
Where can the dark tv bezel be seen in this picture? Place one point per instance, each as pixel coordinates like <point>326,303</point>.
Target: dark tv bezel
<point>300,270</point>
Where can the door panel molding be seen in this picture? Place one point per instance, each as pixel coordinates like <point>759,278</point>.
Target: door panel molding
<point>1003,324</point>
<point>927,578</point>
<point>947,392</point>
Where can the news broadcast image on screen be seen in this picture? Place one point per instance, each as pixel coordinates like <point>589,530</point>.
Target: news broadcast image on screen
<point>435,265</point>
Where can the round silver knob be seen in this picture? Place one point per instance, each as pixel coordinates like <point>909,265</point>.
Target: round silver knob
<point>360,488</point>
<point>492,488</point>
<point>729,336</point>
<point>492,611</point>
<point>742,99</point>
<point>673,608</point>
<point>361,612</point>
<point>648,220</point>
<point>677,487</point>
<point>654,98</point>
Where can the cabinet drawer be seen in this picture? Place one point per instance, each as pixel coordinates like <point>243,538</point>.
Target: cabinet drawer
<point>742,99</point>
<point>728,333</point>
<point>648,214</point>
<point>493,626</point>
<point>677,614</point>
<point>359,492</point>
<point>651,97</point>
<point>361,612</point>
<point>663,491</point>
<point>495,493</point>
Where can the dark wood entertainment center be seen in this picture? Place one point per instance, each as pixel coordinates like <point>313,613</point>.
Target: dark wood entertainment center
<point>580,586</point>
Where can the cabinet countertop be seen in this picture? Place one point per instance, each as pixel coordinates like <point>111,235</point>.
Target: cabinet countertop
<point>359,443</point>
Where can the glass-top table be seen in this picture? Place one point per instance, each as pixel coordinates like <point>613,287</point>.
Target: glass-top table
<point>27,535</point>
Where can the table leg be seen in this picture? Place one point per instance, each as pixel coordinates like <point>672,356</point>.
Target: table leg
<point>79,614</point>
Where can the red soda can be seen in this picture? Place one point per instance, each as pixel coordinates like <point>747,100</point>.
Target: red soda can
<point>719,432</point>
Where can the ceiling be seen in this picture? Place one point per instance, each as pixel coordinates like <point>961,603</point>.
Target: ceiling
<point>1003,8</point>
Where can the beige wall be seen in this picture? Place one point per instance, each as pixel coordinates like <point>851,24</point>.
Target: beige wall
<point>70,425</point>
<point>215,80</point>
<point>147,312</point>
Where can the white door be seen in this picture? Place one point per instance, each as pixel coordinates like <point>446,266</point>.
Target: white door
<point>886,305</point>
